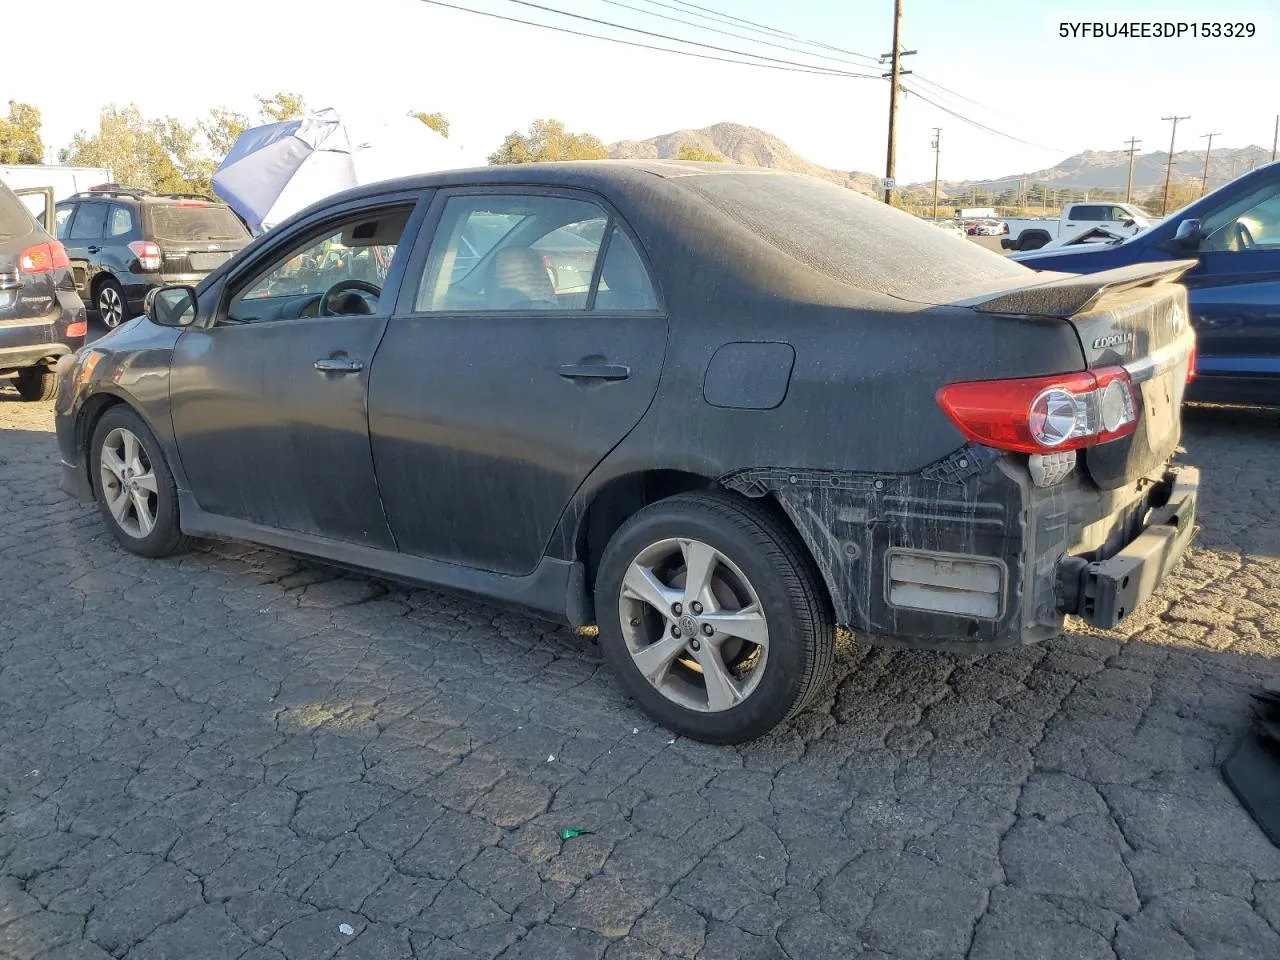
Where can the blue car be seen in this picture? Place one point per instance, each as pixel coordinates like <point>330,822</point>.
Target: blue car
<point>1234,290</point>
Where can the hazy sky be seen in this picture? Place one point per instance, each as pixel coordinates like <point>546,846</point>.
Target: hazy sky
<point>490,77</point>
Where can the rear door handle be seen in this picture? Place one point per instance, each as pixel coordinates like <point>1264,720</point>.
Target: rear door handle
<point>94,249</point>
<point>338,365</point>
<point>594,371</point>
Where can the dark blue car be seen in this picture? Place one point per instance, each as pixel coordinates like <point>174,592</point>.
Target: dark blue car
<point>1234,292</point>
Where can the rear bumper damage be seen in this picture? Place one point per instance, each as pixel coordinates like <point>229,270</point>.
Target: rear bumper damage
<point>1104,590</point>
<point>972,555</point>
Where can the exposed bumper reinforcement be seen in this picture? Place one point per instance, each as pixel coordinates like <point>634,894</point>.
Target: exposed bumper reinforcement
<point>1105,591</point>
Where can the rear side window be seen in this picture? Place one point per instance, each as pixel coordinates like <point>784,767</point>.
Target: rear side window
<point>15,219</point>
<point>1089,211</point>
<point>121,222</point>
<point>624,284</point>
<point>89,222</point>
<point>181,222</point>
<point>62,217</point>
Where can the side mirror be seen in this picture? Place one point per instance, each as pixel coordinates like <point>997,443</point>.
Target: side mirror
<point>1189,235</point>
<point>171,306</point>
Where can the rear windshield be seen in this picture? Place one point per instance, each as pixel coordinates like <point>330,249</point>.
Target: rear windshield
<point>15,219</point>
<point>177,222</point>
<point>854,239</point>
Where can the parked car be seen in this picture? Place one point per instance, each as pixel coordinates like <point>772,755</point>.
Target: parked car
<point>1231,240</point>
<point>990,228</point>
<point>41,318</point>
<point>951,227</point>
<point>777,407</point>
<point>1031,233</point>
<point>124,241</point>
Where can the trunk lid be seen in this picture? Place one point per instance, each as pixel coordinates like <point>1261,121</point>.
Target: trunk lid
<point>195,237</point>
<point>24,296</point>
<point>1135,317</point>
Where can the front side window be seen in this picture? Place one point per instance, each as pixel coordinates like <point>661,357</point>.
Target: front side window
<point>89,222</point>
<point>340,273</point>
<point>1251,223</point>
<point>530,253</point>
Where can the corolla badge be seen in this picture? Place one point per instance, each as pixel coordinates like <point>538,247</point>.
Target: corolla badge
<point>1115,340</point>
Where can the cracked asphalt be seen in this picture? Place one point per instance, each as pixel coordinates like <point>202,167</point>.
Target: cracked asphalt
<point>233,754</point>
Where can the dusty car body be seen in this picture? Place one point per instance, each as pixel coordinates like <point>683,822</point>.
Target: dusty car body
<point>778,408</point>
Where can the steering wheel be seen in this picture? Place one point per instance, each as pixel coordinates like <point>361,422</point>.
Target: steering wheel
<point>363,286</point>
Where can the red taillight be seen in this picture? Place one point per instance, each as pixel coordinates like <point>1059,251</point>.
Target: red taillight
<point>148,254</point>
<point>1191,365</point>
<point>43,257</point>
<point>78,329</point>
<point>1044,414</point>
<point>192,203</point>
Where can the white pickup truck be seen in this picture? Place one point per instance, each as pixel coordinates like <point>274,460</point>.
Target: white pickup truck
<point>1122,219</point>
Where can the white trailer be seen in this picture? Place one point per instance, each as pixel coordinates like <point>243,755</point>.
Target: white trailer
<point>65,181</point>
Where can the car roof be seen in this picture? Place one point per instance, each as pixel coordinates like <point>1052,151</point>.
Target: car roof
<point>604,174</point>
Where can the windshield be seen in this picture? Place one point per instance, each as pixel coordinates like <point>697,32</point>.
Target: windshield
<point>851,238</point>
<point>15,219</point>
<point>182,222</point>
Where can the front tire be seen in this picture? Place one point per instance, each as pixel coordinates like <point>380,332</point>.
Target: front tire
<point>713,618</point>
<point>133,485</point>
<point>35,384</point>
<point>112,306</point>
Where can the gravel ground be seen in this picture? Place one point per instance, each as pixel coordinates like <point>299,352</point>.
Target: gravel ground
<point>235,754</point>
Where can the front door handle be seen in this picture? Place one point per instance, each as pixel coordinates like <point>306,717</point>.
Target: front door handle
<point>338,365</point>
<point>594,371</point>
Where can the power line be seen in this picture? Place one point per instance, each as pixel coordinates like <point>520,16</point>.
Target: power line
<point>692,43</point>
<point>758,27</point>
<point>819,71</point>
<point>980,126</point>
<point>727,33</point>
<point>960,96</point>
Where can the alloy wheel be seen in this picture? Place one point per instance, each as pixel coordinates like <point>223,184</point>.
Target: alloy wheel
<point>110,306</point>
<point>694,625</point>
<point>128,483</point>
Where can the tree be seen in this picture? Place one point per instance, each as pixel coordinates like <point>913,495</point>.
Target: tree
<point>693,152</point>
<point>222,128</point>
<point>548,140</point>
<point>282,106</point>
<point>162,155</point>
<point>20,135</point>
<point>436,121</point>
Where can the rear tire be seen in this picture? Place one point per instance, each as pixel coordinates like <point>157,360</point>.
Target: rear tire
<point>133,485</point>
<point>35,384</point>
<point>113,309</point>
<point>764,624</point>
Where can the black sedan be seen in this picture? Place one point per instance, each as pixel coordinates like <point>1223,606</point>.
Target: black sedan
<point>763,407</point>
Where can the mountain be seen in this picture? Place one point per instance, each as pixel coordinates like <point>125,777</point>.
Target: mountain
<point>738,143</point>
<point>1109,170</point>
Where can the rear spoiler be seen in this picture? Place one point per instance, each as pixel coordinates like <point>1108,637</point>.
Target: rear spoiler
<point>1073,293</point>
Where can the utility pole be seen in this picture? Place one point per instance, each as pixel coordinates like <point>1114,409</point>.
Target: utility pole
<point>1275,138</point>
<point>1168,167</point>
<point>1204,180</point>
<point>937,159</point>
<point>1133,148</point>
<point>895,75</point>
